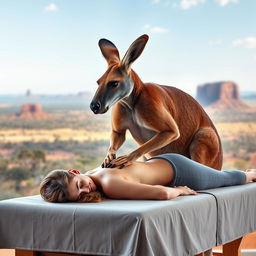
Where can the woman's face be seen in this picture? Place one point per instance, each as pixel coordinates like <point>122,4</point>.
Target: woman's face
<point>79,185</point>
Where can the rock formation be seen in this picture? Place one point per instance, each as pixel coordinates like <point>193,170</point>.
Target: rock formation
<point>221,96</point>
<point>32,111</point>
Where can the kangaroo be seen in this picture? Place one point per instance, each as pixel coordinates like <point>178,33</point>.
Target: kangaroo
<point>161,119</point>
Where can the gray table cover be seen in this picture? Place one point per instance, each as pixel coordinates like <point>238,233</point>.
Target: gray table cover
<point>183,226</point>
<point>236,207</point>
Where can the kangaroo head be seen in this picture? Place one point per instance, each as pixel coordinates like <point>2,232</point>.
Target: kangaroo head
<point>116,83</point>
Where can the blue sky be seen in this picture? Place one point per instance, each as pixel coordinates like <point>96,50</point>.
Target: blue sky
<point>52,46</point>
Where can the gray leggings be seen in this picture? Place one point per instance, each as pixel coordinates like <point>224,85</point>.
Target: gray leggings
<point>197,176</point>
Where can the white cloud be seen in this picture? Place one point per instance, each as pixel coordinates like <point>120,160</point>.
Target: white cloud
<point>186,4</point>
<point>52,7</point>
<point>249,42</point>
<point>155,1</point>
<point>225,2</point>
<point>156,29</point>
<point>215,42</point>
<point>147,26</point>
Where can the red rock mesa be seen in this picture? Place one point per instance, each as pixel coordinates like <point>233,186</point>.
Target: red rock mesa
<point>32,111</point>
<point>221,96</point>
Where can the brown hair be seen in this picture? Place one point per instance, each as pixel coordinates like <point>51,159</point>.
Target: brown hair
<point>53,188</point>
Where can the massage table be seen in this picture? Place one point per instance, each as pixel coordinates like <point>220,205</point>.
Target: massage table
<point>184,226</point>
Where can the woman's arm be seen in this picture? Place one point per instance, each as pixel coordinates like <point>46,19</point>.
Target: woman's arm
<point>118,188</point>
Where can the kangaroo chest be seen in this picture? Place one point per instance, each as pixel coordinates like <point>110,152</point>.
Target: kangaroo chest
<point>138,128</point>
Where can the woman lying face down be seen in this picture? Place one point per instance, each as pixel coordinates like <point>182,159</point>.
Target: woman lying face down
<point>162,177</point>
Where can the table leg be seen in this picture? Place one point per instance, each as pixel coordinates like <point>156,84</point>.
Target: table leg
<point>232,248</point>
<point>25,253</point>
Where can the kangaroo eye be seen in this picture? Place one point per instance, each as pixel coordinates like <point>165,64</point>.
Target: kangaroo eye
<point>113,84</point>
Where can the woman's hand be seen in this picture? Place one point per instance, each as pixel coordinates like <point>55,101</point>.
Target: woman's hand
<point>168,193</point>
<point>184,190</point>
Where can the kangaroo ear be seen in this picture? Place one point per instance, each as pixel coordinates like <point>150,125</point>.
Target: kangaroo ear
<point>109,51</point>
<point>134,51</point>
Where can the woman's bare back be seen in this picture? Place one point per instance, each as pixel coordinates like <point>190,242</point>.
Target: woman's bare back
<point>152,172</point>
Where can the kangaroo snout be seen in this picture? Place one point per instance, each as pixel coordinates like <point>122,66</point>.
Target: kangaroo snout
<point>95,107</point>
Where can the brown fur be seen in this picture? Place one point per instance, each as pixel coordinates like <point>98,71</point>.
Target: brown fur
<point>161,119</point>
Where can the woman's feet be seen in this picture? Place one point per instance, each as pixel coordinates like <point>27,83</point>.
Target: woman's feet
<point>250,175</point>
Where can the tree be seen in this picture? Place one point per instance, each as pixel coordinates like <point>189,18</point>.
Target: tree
<point>3,165</point>
<point>17,174</point>
<point>24,158</point>
<point>38,157</point>
<point>3,169</point>
<point>31,160</point>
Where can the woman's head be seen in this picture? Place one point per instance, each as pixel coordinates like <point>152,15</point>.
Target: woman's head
<point>64,186</point>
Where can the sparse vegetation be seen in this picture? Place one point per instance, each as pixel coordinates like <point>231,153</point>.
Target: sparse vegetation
<point>75,138</point>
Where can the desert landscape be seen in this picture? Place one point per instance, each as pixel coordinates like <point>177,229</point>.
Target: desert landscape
<point>39,133</point>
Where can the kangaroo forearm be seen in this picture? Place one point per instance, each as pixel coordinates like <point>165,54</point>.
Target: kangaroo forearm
<point>116,141</point>
<point>158,141</point>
